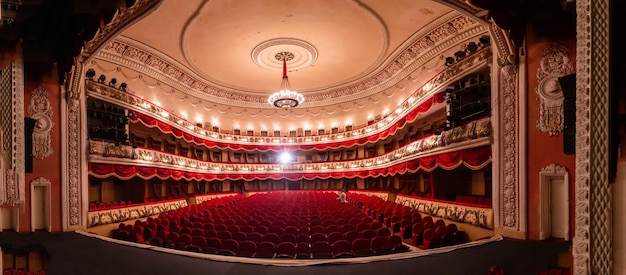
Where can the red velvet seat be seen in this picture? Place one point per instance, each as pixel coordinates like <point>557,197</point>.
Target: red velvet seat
<point>229,248</point>
<point>342,249</point>
<point>286,250</point>
<point>368,234</point>
<point>321,250</point>
<point>224,235</point>
<point>334,236</point>
<point>350,236</point>
<point>383,232</point>
<point>287,237</point>
<point>265,250</point>
<point>361,247</point>
<point>255,237</point>
<point>303,250</point>
<point>240,236</point>
<point>247,249</point>
<point>380,245</point>
<point>318,237</point>
<point>212,245</point>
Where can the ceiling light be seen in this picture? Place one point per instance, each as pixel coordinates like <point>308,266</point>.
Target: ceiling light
<point>285,98</point>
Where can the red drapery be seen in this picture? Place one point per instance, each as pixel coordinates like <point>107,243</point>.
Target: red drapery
<point>177,132</point>
<point>473,158</point>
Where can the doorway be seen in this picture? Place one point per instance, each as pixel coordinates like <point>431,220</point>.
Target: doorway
<point>40,205</point>
<point>554,194</point>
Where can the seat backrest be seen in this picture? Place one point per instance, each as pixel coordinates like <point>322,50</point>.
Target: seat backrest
<point>360,243</point>
<point>341,246</point>
<point>383,232</point>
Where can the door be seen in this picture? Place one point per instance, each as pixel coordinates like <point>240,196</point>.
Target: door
<point>558,208</point>
<point>39,208</point>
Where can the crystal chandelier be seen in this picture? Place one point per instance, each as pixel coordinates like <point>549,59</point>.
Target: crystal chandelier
<point>285,98</point>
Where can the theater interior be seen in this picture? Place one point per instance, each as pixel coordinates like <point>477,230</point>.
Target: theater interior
<point>216,137</point>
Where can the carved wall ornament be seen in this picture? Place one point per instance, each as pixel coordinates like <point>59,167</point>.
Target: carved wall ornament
<point>554,63</point>
<point>40,110</point>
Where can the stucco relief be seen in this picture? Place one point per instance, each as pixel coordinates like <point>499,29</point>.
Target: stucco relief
<point>40,110</point>
<point>510,181</point>
<point>555,62</point>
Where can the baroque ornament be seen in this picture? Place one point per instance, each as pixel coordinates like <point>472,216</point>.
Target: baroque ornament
<point>40,110</point>
<point>554,64</point>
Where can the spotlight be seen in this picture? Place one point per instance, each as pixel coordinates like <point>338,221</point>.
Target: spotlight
<point>102,78</point>
<point>471,47</point>
<point>90,74</point>
<point>449,61</point>
<point>123,86</point>
<point>484,40</point>
<point>459,55</point>
<point>285,157</point>
<point>113,82</point>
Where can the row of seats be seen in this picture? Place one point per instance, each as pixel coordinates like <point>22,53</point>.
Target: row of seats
<point>423,231</point>
<point>203,229</point>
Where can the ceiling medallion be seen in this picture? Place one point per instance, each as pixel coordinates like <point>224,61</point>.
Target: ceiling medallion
<point>285,98</point>
<point>302,54</point>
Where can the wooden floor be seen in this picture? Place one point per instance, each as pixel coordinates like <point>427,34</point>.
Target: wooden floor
<point>72,253</point>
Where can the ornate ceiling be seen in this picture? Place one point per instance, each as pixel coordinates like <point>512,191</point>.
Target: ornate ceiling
<point>214,61</point>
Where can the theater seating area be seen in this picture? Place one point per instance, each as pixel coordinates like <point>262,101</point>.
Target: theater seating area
<point>423,231</point>
<point>281,224</point>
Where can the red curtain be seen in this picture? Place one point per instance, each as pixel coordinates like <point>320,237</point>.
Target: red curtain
<point>177,132</point>
<point>474,158</point>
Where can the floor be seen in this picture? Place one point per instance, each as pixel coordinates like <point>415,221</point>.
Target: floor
<point>72,253</point>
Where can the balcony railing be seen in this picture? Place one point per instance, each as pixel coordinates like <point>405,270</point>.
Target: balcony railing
<point>467,136</point>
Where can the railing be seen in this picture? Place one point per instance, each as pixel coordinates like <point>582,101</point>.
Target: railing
<point>440,81</point>
<point>135,211</point>
<point>471,135</point>
<point>476,215</point>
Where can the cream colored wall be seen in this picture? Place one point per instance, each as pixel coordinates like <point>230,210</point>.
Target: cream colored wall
<point>619,220</point>
<point>478,182</point>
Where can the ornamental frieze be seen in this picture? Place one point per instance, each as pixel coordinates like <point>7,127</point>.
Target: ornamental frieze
<point>476,216</point>
<point>116,215</point>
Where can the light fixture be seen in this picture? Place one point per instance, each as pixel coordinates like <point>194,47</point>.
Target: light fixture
<point>285,98</point>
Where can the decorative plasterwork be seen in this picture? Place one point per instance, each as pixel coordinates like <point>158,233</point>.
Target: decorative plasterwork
<point>509,189</point>
<point>555,62</point>
<point>506,52</point>
<point>40,110</point>
<point>46,203</point>
<point>472,135</point>
<point>12,125</point>
<point>383,195</point>
<point>553,169</point>
<point>477,216</point>
<point>122,214</point>
<point>120,20</point>
<point>74,196</point>
<point>264,54</point>
<point>464,5</point>
<point>592,243</point>
<point>202,198</point>
<point>582,228</point>
<point>131,102</point>
<point>422,48</point>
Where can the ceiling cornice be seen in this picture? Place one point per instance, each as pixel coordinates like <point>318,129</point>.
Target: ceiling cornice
<point>440,35</point>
